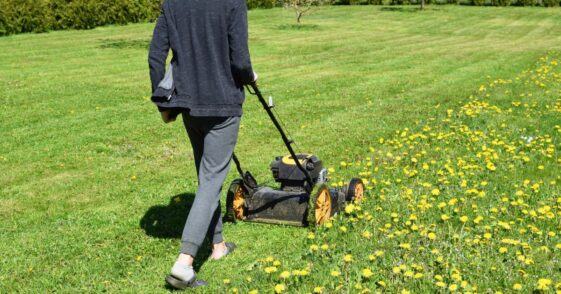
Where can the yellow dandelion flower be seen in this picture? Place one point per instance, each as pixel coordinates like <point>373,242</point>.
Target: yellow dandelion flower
<point>431,236</point>
<point>270,269</point>
<point>453,287</point>
<point>279,288</point>
<point>366,234</point>
<point>405,246</point>
<point>517,286</point>
<point>367,273</point>
<point>503,250</point>
<point>435,192</point>
<point>444,217</point>
<point>226,281</point>
<point>284,275</point>
<point>318,289</point>
<point>335,273</point>
<point>464,218</point>
<point>253,292</point>
<point>276,263</point>
<point>348,258</point>
<point>314,247</point>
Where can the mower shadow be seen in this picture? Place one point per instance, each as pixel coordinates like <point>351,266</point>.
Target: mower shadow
<point>167,222</point>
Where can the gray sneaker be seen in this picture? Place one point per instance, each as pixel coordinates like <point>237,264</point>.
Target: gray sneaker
<point>183,276</point>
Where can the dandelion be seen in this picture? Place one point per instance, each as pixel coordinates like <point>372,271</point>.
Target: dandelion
<point>503,250</point>
<point>284,275</point>
<point>366,234</point>
<point>348,258</point>
<point>279,288</point>
<point>226,281</point>
<point>517,286</point>
<point>270,269</point>
<point>431,236</point>
<point>318,289</point>
<point>405,246</point>
<point>335,273</point>
<point>543,284</point>
<point>367,273</point>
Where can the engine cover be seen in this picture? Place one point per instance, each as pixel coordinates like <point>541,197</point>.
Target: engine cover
<point>286,172</point>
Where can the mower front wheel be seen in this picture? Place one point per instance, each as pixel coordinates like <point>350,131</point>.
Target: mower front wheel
<point>355,191</point>
<point>236,206</point>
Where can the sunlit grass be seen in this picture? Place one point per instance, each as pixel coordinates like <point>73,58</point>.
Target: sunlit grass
<point>443,113</point>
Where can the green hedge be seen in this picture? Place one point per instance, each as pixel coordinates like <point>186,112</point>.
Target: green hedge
<point>21,16</point>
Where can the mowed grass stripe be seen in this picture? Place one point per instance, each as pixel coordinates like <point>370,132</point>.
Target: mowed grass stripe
<point>70,194</point>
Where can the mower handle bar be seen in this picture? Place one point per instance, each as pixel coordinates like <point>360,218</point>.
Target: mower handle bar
<point>285,138</point>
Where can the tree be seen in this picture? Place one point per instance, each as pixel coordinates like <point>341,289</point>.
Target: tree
<point>302,7</point>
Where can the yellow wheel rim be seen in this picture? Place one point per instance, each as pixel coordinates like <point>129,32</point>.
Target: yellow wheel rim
<point>359,192</point>
<point>323,206</point>
<point>239,201</point>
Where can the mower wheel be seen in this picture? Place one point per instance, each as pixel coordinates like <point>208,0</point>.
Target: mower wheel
<point>323,205</point>
<point>236,208</point>
<point>355,191</point>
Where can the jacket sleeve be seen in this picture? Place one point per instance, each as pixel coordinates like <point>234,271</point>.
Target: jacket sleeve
<point>238,40</point>
<point>159,49</point>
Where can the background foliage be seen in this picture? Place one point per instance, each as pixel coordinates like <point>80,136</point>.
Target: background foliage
<point>23,16</point>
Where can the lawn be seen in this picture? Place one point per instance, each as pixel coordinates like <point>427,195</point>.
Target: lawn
<point>451,116</point>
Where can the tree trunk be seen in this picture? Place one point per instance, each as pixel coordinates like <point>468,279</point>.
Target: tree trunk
<point>422,5</point>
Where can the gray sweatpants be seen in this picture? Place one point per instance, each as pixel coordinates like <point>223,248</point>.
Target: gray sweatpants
<point>213,140</point>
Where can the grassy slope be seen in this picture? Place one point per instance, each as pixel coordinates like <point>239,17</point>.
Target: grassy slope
<point>85,156</point>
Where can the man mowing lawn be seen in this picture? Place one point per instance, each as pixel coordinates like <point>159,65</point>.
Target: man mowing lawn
<point>211,64</point>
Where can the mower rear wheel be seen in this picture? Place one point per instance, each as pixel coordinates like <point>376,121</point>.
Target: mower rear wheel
<point>235,201</point>
<point>323,205</point>
<point>355,191</point>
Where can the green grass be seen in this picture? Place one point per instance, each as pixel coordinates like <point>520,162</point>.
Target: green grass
<point>86,160</point>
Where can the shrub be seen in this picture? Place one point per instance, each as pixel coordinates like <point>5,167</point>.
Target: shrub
<point>20,16</point>
<point>251,4</point>
<point>501,2</point>
<point>550,3</point>
<point>478,2</point>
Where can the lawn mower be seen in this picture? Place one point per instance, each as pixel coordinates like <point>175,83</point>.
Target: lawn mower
<point>304,197</point>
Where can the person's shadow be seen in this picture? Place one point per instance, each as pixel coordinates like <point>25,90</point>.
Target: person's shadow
<point>167,222</point>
